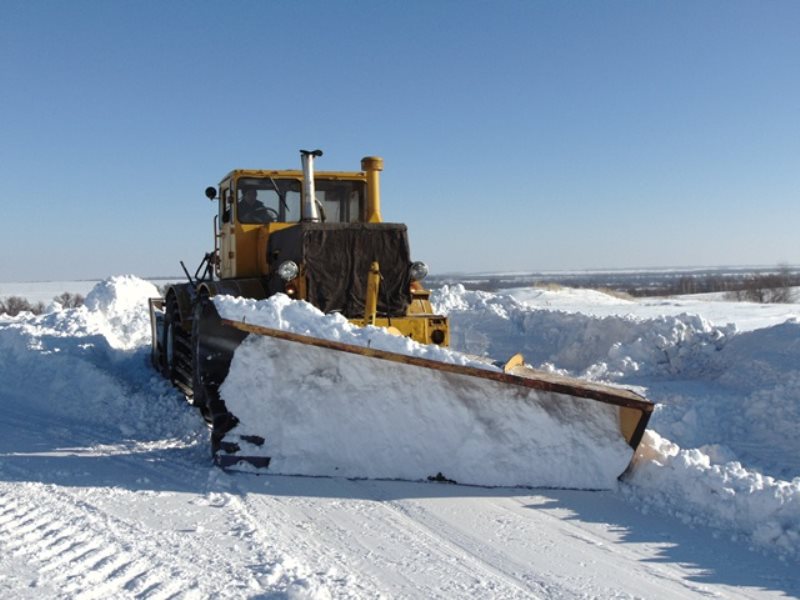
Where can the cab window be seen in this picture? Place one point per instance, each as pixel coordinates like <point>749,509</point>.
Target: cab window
<point>341,201</point>
<point>226,206</point>
<point>260,201</point>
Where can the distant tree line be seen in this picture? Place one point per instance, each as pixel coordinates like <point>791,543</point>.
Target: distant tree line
<point>13,305</point>
<point>765,286</point>
<point>771,288</point>
<point>775,287</point>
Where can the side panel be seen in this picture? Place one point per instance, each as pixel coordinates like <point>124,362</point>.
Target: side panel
<point>246,251</point>
<point>420,328</point>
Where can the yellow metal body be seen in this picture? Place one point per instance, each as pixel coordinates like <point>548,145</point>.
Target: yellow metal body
<point>420,328</point>
<point>371,303</point>
<point>241,248</point>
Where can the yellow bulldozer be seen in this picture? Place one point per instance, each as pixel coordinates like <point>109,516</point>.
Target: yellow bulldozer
<point>318,237</point>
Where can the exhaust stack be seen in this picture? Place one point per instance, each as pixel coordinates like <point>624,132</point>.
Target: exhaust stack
<point>310,212</point>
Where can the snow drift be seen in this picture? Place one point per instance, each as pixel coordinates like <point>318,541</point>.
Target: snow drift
<point>722,450</point>
<point>730,399</point>
<point>699,490</point>
<point>612,347</point>
<point>85,364</point>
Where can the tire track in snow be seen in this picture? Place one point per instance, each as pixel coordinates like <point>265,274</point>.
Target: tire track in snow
<point>613,566</point>
<point>270,521</point>
<point>69,562</point>
<point>86,541</point>
<point>476,550</point>
<point>73,540</point>
<point>392,553</point>
<point>509,545</point>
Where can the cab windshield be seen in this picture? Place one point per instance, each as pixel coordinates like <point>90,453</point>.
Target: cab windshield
<point>269,200</point>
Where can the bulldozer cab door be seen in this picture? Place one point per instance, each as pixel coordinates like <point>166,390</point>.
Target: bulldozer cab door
<point>227,232</point>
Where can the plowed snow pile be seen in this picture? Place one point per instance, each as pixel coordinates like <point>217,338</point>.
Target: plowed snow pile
<point>722,449</point>
<point>89,364</point>
<point>732,399</point>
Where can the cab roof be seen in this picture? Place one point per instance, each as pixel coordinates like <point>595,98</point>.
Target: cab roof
<point>295,174</point>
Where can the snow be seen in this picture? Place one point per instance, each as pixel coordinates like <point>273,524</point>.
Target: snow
<point>727,394</point>
<point>281,312</point>
<point>106,489</point>
<point>746,315</point>
<point>334,413</point>
<point>699,490</point>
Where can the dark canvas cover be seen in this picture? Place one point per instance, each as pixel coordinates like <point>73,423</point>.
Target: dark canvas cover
<point>337,258</point>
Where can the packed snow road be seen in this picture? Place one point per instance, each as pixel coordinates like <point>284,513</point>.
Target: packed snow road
<point>81,516</point>
<point>106,490</point>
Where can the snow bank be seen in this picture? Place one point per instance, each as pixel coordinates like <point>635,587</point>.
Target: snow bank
<point>90,364</point>
<point>749,403</point>
<point>689,485</point>
<point>722,450</point>
<point>119,305</point>
<point>727,397</point>
<point>607,348</point>
<point>747,315</point>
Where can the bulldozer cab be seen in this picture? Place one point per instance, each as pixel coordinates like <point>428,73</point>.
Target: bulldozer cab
<point>253,204</point>
<point>318,236</point>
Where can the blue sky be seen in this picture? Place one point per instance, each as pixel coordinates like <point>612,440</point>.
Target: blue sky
<point>516,135</point>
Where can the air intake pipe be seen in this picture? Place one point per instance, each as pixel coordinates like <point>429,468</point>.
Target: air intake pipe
<point>372,166</point>
<point>310,212</point>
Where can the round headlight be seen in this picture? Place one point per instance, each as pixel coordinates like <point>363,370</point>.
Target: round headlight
<point>418,270</point>
<point>288,270</point>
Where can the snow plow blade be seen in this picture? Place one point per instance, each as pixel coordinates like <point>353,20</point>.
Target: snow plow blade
<point>307,406</point>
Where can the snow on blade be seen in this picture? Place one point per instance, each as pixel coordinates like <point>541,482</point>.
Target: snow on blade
<point>324,412</point>
<point>281,312</point>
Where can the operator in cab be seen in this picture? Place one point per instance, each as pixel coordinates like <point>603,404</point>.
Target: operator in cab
<point>251,209</point>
